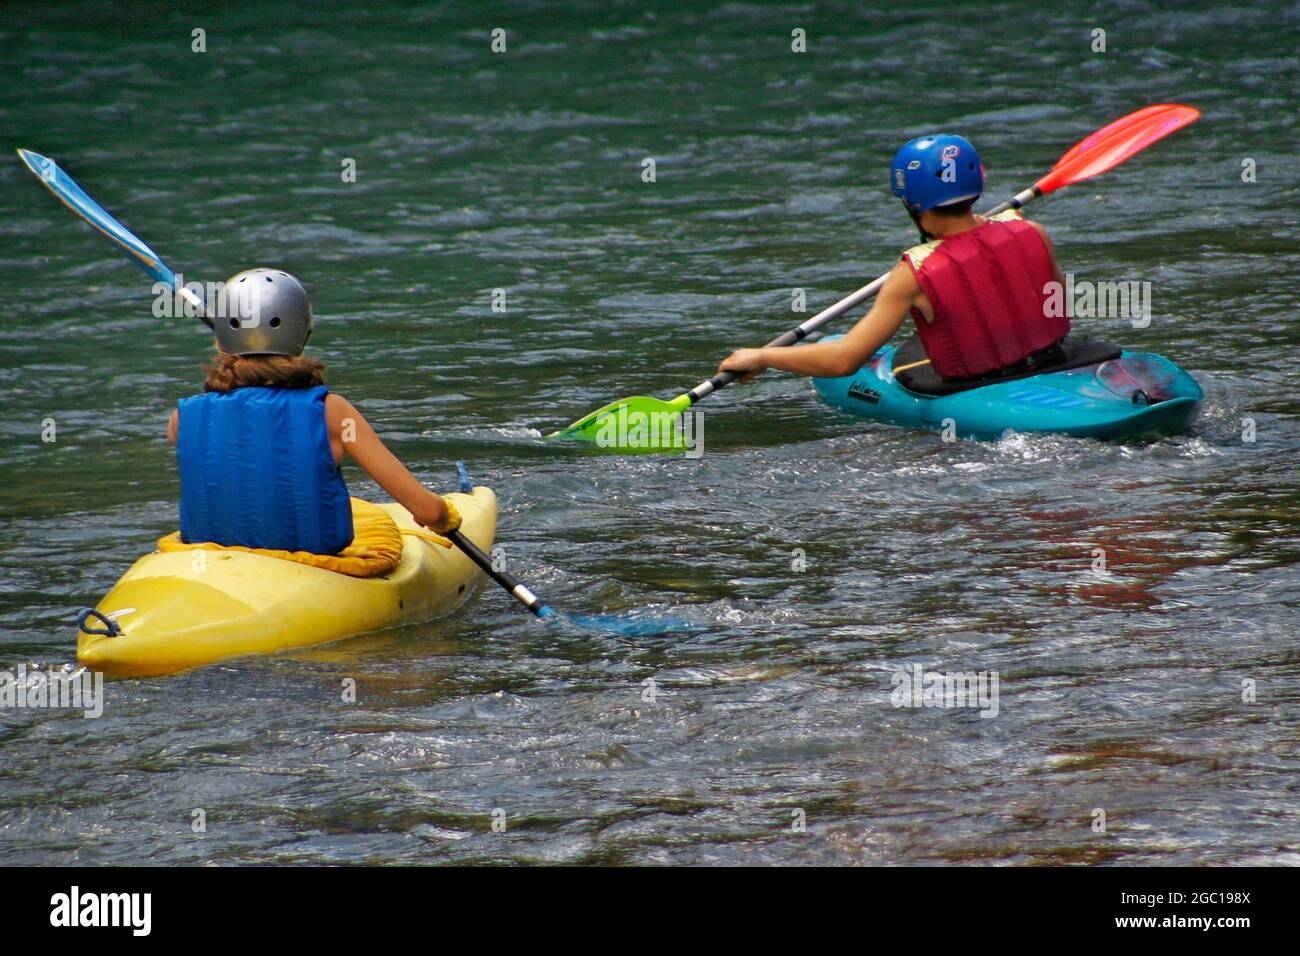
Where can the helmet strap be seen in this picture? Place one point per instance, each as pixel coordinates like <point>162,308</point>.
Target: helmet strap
<point>916,221</point>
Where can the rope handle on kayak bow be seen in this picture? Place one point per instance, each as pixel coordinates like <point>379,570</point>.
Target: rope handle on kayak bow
<point>110,629</point>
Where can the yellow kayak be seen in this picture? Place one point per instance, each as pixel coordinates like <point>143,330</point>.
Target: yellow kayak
<point>174,615</point>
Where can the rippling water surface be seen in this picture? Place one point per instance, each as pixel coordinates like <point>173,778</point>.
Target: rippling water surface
<point>522,171</point>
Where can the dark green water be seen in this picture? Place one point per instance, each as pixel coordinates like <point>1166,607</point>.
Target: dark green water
<point>521,170</point>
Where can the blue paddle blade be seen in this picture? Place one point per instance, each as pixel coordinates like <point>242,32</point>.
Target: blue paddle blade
<point>75,198</point>
<point>634,624</point>
<point>630,624</point>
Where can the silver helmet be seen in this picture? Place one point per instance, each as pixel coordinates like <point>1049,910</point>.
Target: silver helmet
<point>265,312</point>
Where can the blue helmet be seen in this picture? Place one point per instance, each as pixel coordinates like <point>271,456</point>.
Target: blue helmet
<point>936,170</point>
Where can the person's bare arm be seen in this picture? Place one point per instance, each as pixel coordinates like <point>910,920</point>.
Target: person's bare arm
<point>843,356</point>
<point>173,425</point>
<point>348,427</point>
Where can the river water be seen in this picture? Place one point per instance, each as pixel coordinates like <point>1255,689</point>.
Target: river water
<point>817,555</point>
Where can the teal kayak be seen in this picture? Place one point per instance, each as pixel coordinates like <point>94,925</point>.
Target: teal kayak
<point>1097,391</point>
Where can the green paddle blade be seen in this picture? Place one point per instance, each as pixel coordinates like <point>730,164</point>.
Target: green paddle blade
<point>636,425</point>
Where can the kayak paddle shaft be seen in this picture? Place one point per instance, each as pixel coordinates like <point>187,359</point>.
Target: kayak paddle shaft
<point>518,590</point>
<point>797,334</point>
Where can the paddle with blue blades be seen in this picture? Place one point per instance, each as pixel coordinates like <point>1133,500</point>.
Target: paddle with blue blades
<point>1095,154</point>
<point>76,199</point>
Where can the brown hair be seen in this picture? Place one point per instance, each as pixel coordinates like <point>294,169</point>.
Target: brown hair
<point>955,208</point>
<point>228,372</point>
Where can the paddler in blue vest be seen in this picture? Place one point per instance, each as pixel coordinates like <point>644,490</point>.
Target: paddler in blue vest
<point>976,287</point>
<point>260,450</point>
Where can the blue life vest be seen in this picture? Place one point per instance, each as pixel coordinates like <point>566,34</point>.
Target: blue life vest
<point>257,471</point>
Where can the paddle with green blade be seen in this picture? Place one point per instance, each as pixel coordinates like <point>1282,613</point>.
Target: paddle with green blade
<point>1103,150</point>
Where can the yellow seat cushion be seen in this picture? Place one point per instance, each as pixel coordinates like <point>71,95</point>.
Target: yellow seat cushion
<point>375,549</point>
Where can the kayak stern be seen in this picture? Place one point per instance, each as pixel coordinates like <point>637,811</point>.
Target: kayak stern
<point>1136,394</point>
<point>183,609</point>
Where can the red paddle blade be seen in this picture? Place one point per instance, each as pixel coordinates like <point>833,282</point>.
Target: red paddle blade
<point>1116,142</point>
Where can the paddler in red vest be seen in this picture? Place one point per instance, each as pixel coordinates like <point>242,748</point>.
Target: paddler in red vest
<point>260,449</point>
<point>975,286</point>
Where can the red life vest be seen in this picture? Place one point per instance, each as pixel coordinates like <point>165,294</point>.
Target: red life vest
<point>986,289</point>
